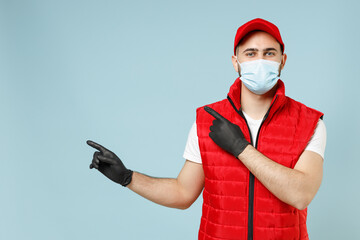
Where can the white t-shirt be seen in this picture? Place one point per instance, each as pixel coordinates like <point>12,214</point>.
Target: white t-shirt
<point>316,144</point>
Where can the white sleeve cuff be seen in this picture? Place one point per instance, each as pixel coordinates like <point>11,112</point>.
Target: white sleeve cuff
<point>317,142</point>
<point>192,150</point>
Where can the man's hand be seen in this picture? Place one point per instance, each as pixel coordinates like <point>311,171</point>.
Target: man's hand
<point>226,134</point>
<point>110,165</point>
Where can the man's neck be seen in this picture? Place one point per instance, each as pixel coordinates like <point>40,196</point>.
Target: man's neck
<point>255,105</point>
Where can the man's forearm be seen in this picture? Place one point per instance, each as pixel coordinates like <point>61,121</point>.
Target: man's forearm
<point>289,185</point>
<point>163,191</point>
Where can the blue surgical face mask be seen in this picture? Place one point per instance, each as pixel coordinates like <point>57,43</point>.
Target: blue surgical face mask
<point>259,76</point>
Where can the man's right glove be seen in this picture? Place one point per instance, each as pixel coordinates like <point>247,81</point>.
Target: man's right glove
<point>226,134</point>
<point>110,165</point>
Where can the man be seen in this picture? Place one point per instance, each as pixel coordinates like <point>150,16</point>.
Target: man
<point>257,154</point>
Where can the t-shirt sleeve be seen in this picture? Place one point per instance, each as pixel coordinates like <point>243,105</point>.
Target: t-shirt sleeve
<point>192,150</point>
<point>317,142</point>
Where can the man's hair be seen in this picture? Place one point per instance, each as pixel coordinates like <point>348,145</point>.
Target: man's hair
<point>237,46</point>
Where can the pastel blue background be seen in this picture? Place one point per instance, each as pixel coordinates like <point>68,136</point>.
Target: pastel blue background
<point>129,75</point>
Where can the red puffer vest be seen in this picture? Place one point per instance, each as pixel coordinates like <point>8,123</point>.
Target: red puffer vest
<point>235,204</point>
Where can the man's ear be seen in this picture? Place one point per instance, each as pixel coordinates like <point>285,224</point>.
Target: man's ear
<point>283,61</point>
<point>235,63</point>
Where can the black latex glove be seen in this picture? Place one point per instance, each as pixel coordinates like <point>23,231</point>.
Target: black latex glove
<point>110,165</point>
<point>226,134</point>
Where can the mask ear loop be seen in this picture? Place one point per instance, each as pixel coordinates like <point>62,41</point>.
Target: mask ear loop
<point>280,68</point>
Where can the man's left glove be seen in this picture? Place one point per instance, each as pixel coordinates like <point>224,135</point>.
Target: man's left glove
<point>110,165</point>
<point>226,134</point>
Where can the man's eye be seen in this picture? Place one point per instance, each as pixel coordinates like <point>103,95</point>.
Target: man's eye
<point>250,54</point>
<point>270,54</point>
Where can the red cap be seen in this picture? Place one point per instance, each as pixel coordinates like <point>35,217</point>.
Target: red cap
<point>258,24</point>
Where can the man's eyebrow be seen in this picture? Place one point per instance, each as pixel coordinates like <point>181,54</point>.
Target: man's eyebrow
<point>270,49</point>
<point>251,49</point>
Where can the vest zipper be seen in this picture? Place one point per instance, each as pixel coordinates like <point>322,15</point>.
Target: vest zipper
<point>251,185</point>
<point>251,177</point>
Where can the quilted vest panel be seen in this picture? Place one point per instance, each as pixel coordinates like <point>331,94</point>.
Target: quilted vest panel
<point>282,137</point>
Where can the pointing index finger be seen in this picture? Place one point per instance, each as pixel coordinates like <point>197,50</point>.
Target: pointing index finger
<point>96,145</point>
<point>214,113</point>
